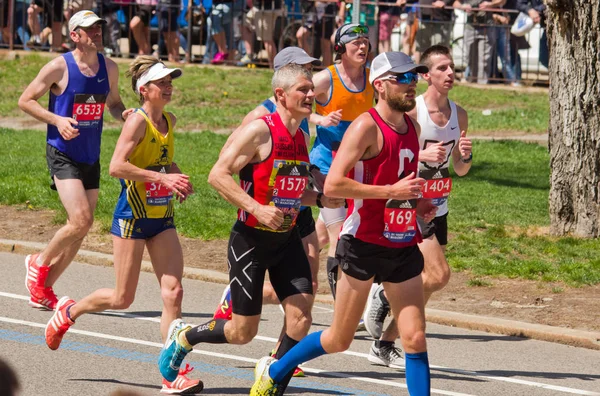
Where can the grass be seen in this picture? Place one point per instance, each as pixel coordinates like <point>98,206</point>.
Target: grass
<point>496,211</point>
<point>211,98</point>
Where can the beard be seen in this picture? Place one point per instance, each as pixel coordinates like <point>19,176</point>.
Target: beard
<point>398,103</point>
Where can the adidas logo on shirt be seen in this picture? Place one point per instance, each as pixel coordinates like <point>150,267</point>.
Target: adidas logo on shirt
<point>405,205</point>
<point>153,140</point>
<point>438,175</point>
<point>294,172</point>
<point>90,100</point>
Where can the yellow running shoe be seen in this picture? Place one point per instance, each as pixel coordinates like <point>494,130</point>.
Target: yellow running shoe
<point>263,383</point>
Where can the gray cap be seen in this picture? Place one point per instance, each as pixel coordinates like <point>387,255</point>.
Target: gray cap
<point>393,62</point>
<point>293,55</point>
<point>345,33</point>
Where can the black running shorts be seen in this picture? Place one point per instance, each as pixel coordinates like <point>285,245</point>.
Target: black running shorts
<point>363,261</point>
<point>437,227</point>
<point>64,167</point>
<point>251,253</point>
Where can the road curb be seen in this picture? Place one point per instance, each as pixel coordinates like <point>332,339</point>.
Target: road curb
<point>576,338</point>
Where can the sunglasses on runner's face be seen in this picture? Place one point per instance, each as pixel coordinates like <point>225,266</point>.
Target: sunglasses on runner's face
<point>403,78</point>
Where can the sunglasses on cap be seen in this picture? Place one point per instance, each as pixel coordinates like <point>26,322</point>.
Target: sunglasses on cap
<point>356,31</point>
<point>403,78</point>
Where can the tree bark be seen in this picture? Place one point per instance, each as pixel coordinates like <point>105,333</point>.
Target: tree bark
<point>574,129</point>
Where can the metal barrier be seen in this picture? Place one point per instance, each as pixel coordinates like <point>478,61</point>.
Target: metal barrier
<point>234,32</point>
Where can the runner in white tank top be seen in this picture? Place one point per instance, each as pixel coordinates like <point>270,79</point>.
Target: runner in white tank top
<point>443,137</point>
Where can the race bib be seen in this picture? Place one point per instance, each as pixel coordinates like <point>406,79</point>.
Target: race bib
<point>88,109</point>
<point>156,193</point>
<point>400,220</point>
<point>438,185</point>
<point>289,182</point>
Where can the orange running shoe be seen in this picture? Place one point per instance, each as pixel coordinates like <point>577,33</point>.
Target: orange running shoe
<point>59,323</point>
<point>35,279</point>
<point>182,384</point>
<point>224,309</point>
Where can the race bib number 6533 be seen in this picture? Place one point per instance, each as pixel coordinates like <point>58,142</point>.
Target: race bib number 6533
<point>88,109</point>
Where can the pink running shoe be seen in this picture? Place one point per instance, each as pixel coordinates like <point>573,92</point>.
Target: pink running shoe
<point>219,58</point>
<point>182,384</point>
<point>35,279</point>
<point>59,323</point>
<point>224,309</point>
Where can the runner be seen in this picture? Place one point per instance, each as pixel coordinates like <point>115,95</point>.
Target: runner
<point>376,166</point>
<point>443,136</point>
<point>143,218</point>
<point>271,158</point>
<point>81,84</point>
<point>305,223</point>
<point>343,89</point>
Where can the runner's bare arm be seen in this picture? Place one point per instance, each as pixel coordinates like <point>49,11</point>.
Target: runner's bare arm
<point>113,101</point>
<point>462,151</point>
<point>322,85</point>
<point>259,111</point>
<point>253,144</point>
<point>132,134</point>
<point>359,142</point>
<point>48,77</point>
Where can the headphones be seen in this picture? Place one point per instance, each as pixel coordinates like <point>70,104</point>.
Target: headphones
<point>340,47</point>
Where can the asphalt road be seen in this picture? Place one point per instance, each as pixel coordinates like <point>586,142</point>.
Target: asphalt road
<point>104,352</point>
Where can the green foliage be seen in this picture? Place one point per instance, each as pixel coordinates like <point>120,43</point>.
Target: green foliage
<point>211,98</point>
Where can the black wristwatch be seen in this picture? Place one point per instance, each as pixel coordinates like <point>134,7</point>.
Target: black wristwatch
<point>467,160</point>
<point>319,196</point>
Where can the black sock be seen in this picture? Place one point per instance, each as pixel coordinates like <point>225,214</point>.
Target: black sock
<point>332,272</point>
<point>380,343</point>
<point>211,332</point>
<point>287,343</point>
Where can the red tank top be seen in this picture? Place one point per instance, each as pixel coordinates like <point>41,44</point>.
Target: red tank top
<point>281,178</point>
<point>392,223</point>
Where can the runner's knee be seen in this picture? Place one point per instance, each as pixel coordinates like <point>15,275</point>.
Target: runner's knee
<point>122,300</point>
<point>242,334</point>
<point>82,222</point>
<point>414,341</point>
<point>436,277</point>
<point>172,294</point>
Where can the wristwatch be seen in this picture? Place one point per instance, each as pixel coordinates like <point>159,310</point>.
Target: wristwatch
<point>468,159</point>
<point>319,196</point>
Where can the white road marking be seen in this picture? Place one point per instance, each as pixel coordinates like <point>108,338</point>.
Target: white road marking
<point>274,340</point>
<point>227,356</point>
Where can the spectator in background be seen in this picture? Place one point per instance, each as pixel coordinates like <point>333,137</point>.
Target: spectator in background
<point>536,9</point>
<point>247,34</point>
<point>221,18</point>
<point>388,18</point>
<point>168,13</point>
<point>508,45</point>
<point>140,25</point>
<point>111,33</point>
<point>480,38</point>
<point>435,25</point>
<point>263,16</point>
<point>39,11</point>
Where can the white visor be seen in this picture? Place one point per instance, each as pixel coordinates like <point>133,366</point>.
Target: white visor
<point>156,72</point>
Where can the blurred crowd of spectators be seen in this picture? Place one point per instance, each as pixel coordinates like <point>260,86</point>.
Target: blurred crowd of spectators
<point>236,31</point>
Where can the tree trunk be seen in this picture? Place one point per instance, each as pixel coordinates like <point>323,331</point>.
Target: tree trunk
<point>574,131</point>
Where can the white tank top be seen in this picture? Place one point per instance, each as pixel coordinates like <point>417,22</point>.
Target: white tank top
<point>432,133</point>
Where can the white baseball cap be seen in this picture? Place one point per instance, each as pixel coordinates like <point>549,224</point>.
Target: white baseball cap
<point>85,18</point>
<point>393,62</point>
<point>156,72</point>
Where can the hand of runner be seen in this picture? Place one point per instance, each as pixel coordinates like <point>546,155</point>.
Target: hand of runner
<point>464,145</point>
<point>435,152</point>
<point>332,203</point>
<point>426,209</point>
<point>66,129</point>
<point>271,216</point>
<point>332,119</point>
<point>178,183</point>
<point>409,187</point>
<point>126,113</point>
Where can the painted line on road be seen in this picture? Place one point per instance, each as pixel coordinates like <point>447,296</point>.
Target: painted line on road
<point>350,353</point>
<point>227,356</point>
